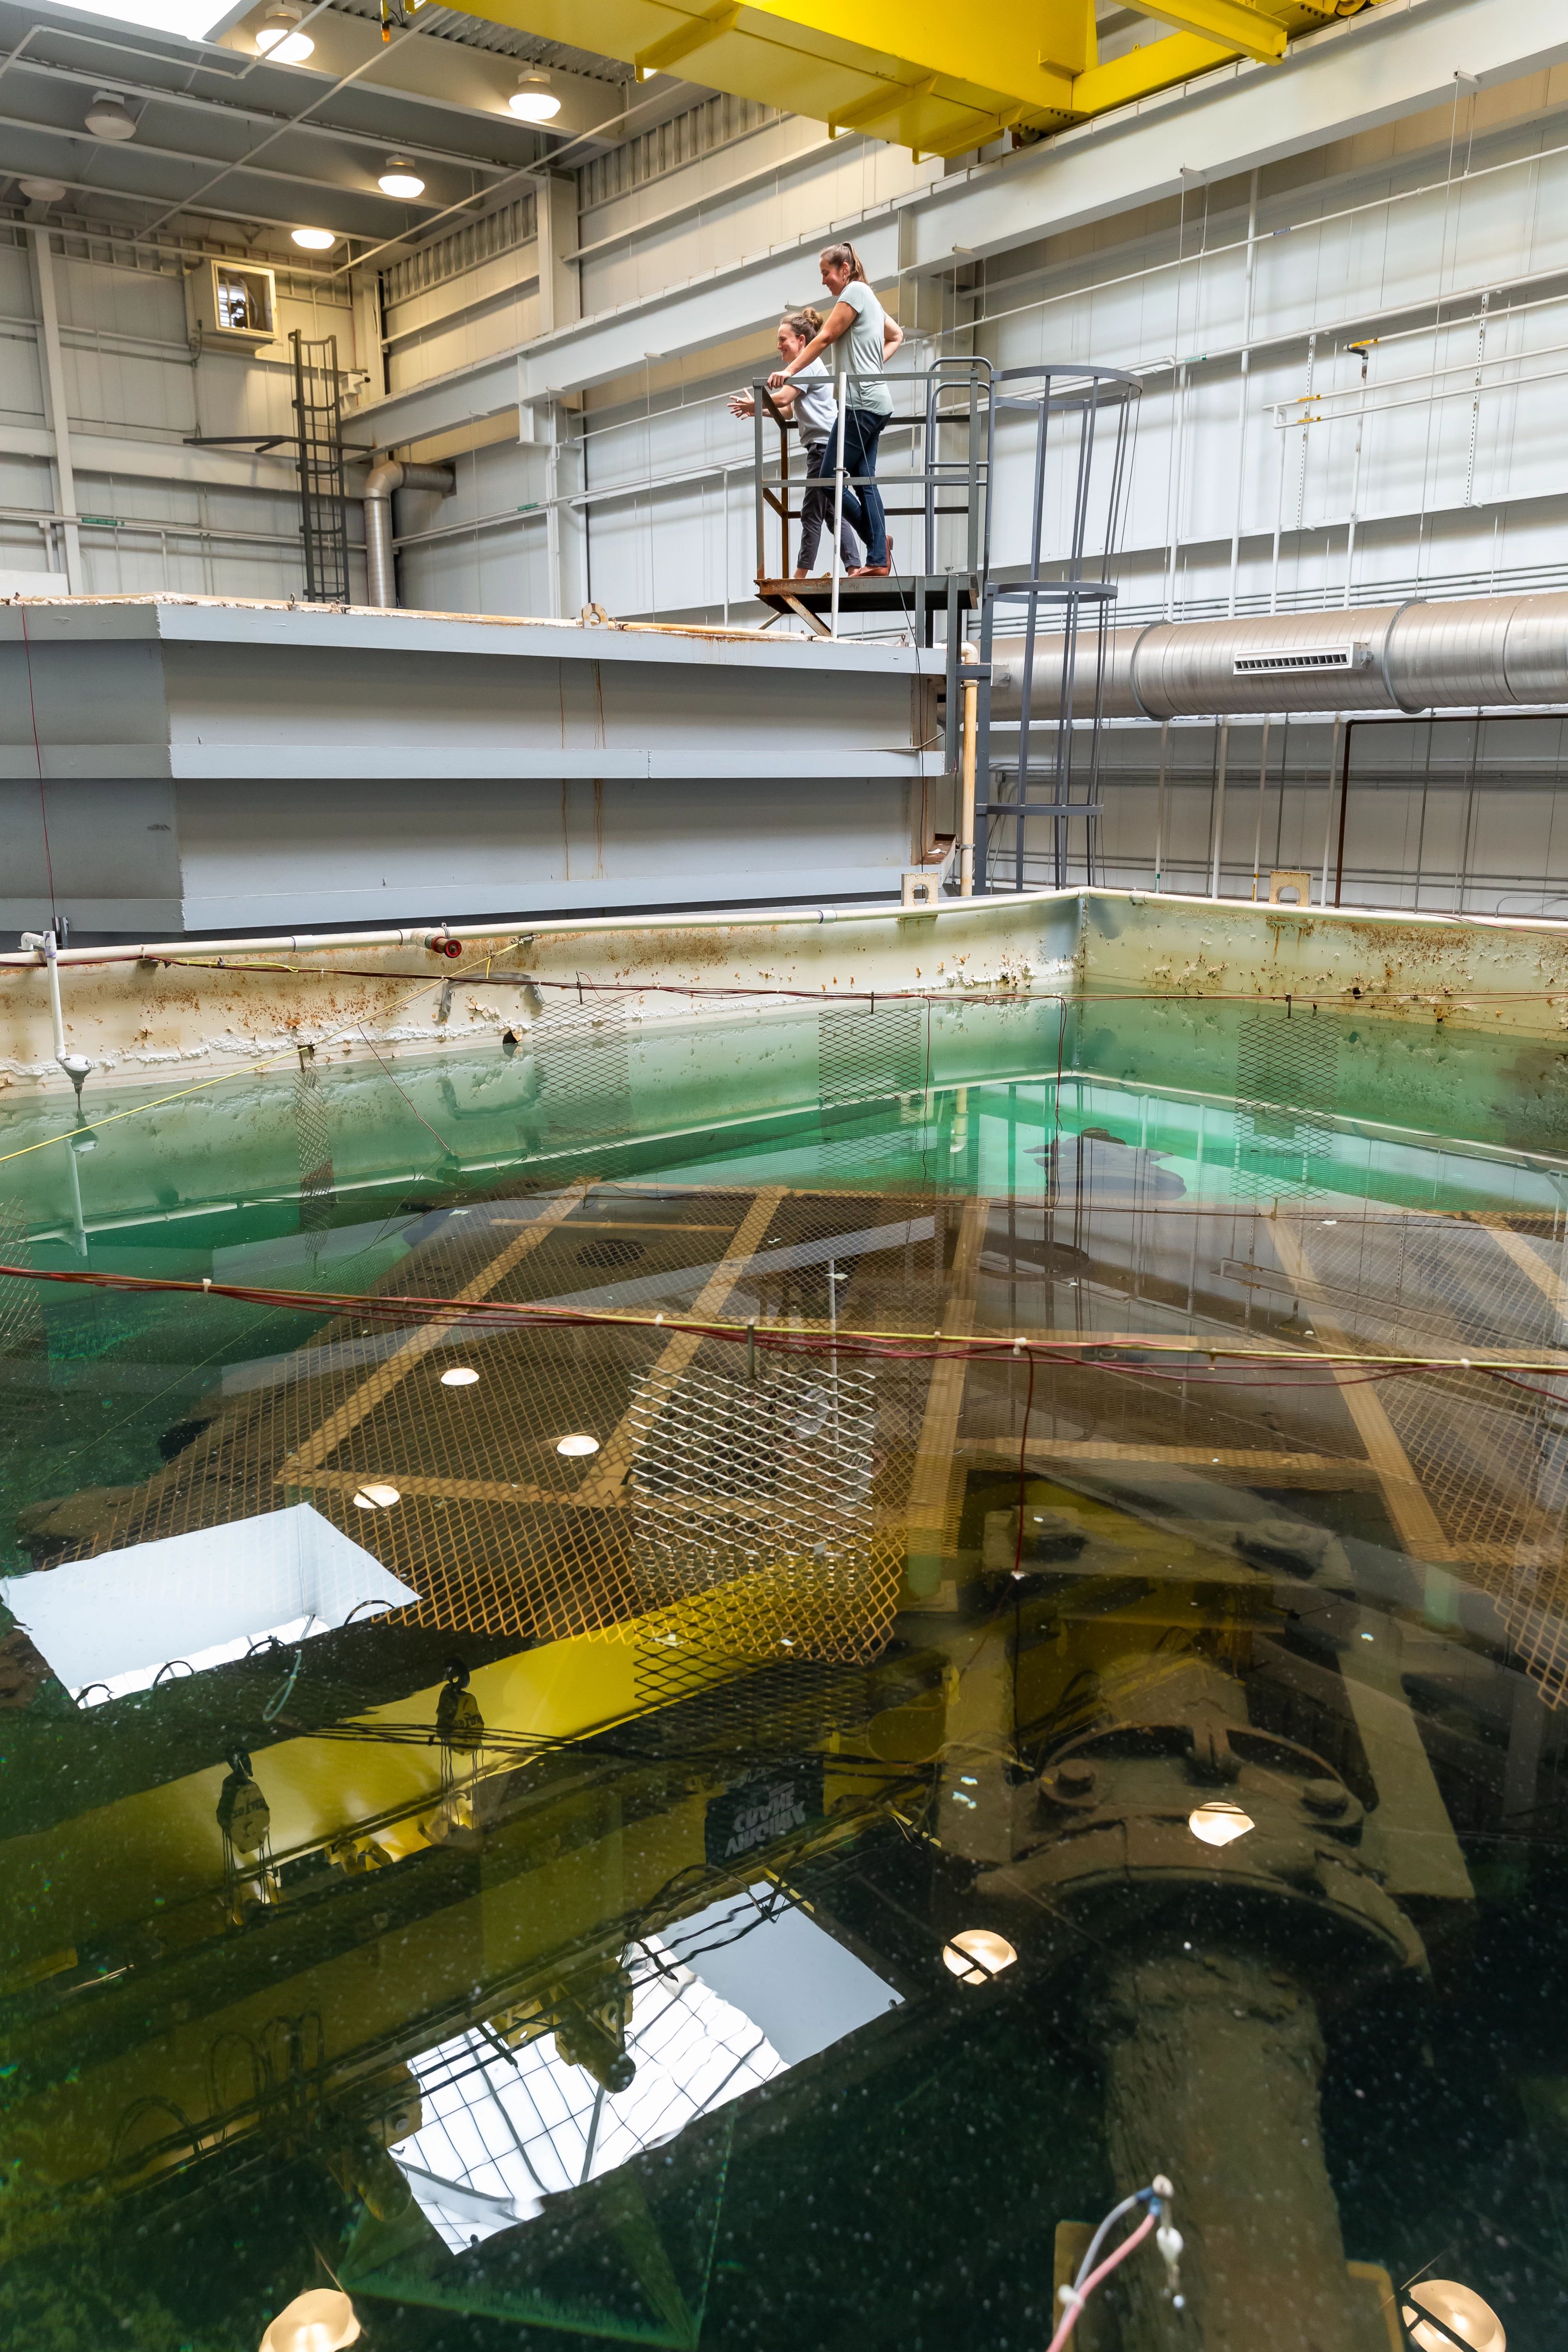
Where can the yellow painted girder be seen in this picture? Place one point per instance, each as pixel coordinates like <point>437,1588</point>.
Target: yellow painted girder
<point>1232,23</point>
<point>917,73</point>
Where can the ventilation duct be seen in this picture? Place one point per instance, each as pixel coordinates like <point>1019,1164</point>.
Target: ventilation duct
<point>380,563</point>
<point>1417,657</point>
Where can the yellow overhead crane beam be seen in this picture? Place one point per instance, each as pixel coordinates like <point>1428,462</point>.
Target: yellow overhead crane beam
<point>917,73</point>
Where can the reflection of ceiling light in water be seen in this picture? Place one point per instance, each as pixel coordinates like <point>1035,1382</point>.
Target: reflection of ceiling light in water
<point>978,1954</point>
<point>376,1498</point>
<point>461,1376</point>
<point>1218,1822</point>
<point>1458,2309</point>
<point>322,2321</point>
<point>578,1443</point>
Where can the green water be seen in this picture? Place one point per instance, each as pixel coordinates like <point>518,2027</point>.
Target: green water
<point>391,2057</point>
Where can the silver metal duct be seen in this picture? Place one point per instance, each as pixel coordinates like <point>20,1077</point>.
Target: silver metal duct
<point>380,564</point>
<point>1411,657</point>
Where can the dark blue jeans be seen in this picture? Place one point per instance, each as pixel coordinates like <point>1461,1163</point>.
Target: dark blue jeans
<point>862,508</point>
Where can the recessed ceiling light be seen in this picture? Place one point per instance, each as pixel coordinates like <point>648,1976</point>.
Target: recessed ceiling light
<point>1219,1822</point>
<point>460,1377</point>
<point>533,99</point>
<point>978,1954</point>
<point>278,38</point>
<point>42,192</point>
<point>400,178</point>
<point>376,1498</point>
<point>578,1443</point>
<point>108,117</point>
<point>315,240</point>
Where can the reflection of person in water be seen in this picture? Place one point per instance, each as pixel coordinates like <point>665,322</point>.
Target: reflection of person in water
<point>1098,1166</point>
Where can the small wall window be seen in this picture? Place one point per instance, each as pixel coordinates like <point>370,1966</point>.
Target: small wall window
<point>243,300</point>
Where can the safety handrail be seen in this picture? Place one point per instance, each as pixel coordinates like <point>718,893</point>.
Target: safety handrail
<point>947,485</point>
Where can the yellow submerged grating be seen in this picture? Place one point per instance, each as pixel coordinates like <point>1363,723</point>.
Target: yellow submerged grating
<point>496,1528</point>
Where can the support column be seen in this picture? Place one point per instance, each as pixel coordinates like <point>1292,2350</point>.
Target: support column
<point>560,286</point>
<point>54,376</point>
<point>1212,2063</point>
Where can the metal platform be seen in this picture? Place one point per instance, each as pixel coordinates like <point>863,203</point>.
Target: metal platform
<point>918,596</point>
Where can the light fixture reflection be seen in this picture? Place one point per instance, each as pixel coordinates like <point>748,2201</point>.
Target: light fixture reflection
<point>376,1498</point>
<point>400,178</point>
<point>461,1376</point>
<point>315,240</point>
<point>578,1445</point>
<point>322,2321</point>
<point>277,38</point>
<point>1457,2309</point>
<point>978,1954</point>
<point>533,99</point>
<point>1219,1822</point>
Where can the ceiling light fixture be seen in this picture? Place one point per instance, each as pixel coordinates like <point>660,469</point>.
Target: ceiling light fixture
<point>108,117</point>
<point>278,38</point>
<point>1460,2312</point>
<point>978,1954</point>
<point>400,178</point>
<point>533,99</point>
<point>459,1377</point>
<point>376,1497</point>
<point>315,240</point>
<point>1219,1822</point>
<point>42,192</point>
<point>576,1445</point>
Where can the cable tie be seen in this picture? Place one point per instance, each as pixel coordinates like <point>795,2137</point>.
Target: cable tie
<point>1073,2299</point>
<point>206,1282</point>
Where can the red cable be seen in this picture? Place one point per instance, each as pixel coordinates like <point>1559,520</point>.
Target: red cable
<point>1082,2293</point>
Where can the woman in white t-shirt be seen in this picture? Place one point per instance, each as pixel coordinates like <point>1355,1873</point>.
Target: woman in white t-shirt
<point>872,339</point>
<point>808,398</point>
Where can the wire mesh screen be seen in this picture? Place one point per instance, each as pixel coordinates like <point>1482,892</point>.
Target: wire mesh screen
<point>1286,1067</point>
<point>867,1052</point>
<point>762,1488</point>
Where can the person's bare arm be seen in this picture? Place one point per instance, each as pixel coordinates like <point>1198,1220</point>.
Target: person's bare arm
<point>892,336</point>
<point>785,395</point>
<point>838,321</point>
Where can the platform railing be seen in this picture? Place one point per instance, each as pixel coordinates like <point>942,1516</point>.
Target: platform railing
<point>952,407</point>
<point>1083,422</point>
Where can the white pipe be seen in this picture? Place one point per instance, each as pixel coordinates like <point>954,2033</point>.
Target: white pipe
<point>1458,655</point>
<point>202,953</point>
<point>380,563</point>
<point>968,655</point>
<point>44,944</point>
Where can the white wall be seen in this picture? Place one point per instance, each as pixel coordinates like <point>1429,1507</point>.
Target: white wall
<point>1440,240</point>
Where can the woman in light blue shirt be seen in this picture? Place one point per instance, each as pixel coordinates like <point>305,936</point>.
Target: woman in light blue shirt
<point>808,399</point>
<point>873,338</point>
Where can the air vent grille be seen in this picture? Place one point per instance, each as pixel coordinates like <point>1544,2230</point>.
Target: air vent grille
<point>1301,657</point>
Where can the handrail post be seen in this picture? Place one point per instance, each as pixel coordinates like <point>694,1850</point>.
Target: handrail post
<point>757,393</point>
<point>969,655</point>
